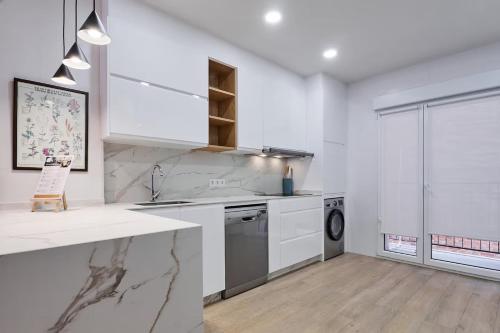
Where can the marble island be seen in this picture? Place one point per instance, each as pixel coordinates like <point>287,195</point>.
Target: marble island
<point>99,269</point>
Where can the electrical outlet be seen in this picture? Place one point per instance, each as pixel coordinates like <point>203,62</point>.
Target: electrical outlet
<point>217,183</point>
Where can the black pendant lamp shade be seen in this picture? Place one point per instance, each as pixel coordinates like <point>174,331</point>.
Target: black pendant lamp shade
<point>63,76</point>
<point>93,31</point>
<point>75,58</point>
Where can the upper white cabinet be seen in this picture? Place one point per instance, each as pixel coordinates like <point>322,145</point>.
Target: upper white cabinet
<point>211,219</point>
<point>335,111</point>
<point>155,88</point>
<point>173,58</point>
<point>284,113</point>
<point>146,53</point>
<point>156,115</point>
<point>334,175</point>
<point>251,101</point>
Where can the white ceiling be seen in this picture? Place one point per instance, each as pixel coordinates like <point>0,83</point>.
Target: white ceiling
<point>372,36</point>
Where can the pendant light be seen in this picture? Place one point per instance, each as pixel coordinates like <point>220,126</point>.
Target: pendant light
<point>93,31</point>
<point>63,74</point>
<point>75,58</point>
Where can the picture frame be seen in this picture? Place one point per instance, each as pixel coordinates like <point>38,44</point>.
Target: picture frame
<point>49,120</point>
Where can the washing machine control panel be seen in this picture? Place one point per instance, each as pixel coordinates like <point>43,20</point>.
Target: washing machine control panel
<point>330,203</point>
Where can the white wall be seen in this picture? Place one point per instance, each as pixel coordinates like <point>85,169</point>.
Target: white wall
<point>362,170</point>
<point>31,39</point>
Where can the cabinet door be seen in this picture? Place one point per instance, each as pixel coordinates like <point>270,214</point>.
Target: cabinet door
<point>334,173</point>
<point>211,218</point>
<point>299,249</point>
<point>297,204</point>
<point>300,223</point>
<point>274,234</point>
<point>251,91</point>
<point>144,53</point>
<point>156,114</point>
<point>285,114</point>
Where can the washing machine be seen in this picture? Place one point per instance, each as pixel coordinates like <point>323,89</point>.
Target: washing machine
<point>334,227</point>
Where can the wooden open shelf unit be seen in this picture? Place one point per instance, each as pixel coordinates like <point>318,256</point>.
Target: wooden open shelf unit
<point>222,113</point>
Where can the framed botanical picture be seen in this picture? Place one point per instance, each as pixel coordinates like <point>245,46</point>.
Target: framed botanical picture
<point>49,120</point>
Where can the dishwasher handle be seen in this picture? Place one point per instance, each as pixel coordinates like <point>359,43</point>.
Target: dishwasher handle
<point>248,219</point>
<point>234,219</point>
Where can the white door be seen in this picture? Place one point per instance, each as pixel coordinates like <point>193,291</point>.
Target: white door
<point>400,184</point>
<point>462,184</point>
<point>211,218</point>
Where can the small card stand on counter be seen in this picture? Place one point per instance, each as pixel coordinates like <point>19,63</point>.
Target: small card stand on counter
<point>50,189</point>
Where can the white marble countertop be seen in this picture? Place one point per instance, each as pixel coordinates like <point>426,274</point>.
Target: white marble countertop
<point>24,231</point>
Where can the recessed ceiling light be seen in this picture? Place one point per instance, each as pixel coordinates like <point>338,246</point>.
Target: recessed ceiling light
<point>273,17</point>
<point>146,84</point>
<point>330,53</point>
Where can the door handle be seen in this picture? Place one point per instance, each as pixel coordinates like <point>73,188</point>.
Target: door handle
<point>249,218</point>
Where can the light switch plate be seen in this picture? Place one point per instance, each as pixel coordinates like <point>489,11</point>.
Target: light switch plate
<point>217,183</point>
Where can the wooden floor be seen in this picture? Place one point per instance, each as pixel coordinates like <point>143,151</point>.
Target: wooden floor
<point>354,293</point>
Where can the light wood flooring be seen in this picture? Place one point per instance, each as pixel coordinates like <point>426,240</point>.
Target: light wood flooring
<point>354,293</point>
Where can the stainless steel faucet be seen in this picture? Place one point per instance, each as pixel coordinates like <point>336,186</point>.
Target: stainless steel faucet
<point>155,194</point>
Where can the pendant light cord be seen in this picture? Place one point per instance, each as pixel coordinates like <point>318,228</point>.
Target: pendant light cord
<point>76,17</point>
<point>94,5</point>
<point>64,28</point>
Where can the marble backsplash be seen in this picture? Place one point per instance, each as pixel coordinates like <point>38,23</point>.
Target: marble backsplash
<point>127,173</point>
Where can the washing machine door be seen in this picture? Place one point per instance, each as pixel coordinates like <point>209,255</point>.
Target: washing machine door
<point>335,225</point>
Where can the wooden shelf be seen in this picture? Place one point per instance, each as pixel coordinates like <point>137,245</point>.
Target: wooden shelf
<point>216,149</point>
<point>222,105</point>
<point>219,121</point>
<point>216,94</point>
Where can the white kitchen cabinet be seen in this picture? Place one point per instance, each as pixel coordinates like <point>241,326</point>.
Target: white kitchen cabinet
<point>300,223</point>
<point>301,248</point>
<point>274,235</point>
<point>211,218</point>
<point>154,93</point>
<point>295,230</point>
<point>251,93</point>
<point>144,53</point>
<point>334,173</point>
<point>284,114</point>
<point>153,115</point>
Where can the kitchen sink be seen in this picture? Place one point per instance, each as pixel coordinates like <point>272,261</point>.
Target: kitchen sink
<point>162,203</point>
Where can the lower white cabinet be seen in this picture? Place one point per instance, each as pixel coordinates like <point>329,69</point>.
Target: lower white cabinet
<point>211,218</point>
<point>295,230</point>
<point>300,249</point>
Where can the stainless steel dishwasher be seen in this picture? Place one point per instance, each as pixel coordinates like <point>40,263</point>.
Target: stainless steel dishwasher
<point>246,248</point>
